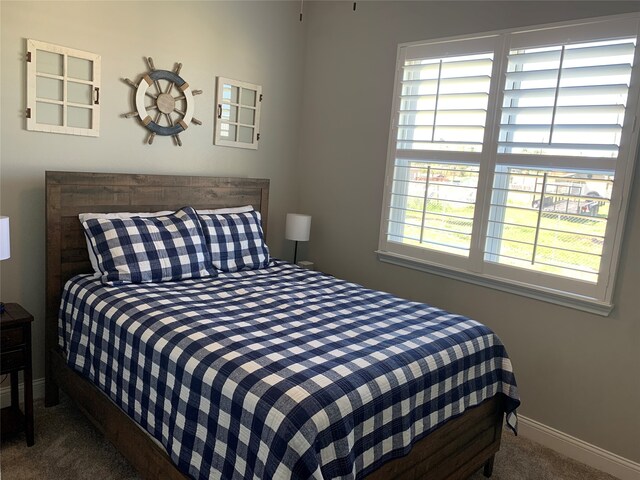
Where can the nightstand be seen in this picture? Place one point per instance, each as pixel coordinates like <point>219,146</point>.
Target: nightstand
<point>306,264</point>
<point>15,355</point>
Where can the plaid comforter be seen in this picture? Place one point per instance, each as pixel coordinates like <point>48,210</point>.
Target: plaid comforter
<point>279,372</point>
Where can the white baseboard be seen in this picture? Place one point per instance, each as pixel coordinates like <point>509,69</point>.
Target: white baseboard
<point>579,450</point>
<point>5,392</point>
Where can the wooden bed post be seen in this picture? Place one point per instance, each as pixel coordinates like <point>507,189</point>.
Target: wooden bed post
<point>53,287</point>
<point>488,467</point>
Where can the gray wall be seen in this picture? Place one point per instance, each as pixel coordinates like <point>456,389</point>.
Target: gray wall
<point>577,372</point>
<point>258,42</point>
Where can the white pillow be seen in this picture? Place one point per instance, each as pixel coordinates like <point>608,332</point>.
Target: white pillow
<point>219,211</point>
<point>110,216</point>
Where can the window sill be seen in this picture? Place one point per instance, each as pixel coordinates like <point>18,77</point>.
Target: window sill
<point>551,296</point>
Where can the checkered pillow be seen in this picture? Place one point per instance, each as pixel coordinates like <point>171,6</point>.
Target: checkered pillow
<point>235,241</point>
<point>153,249</point>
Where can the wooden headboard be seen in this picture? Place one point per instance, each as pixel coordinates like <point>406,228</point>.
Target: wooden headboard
<point>71,193</point>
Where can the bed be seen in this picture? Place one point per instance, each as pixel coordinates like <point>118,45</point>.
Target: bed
<point>455,448</point>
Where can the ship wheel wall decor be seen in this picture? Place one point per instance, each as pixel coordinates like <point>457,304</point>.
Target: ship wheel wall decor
<point>163,103</point>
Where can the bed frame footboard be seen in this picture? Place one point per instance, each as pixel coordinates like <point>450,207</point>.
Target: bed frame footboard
<point>457,450</point>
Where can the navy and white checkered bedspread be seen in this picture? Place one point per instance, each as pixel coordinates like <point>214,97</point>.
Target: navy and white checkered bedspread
<point>279,372</point>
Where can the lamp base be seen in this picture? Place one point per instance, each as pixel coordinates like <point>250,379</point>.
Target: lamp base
<point>295,253</point>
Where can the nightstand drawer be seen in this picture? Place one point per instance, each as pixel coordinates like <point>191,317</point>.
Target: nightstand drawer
<point>12,360</point>
<point>12,337</point>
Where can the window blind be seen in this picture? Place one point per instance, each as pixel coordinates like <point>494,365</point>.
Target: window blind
<point>442,111</point>
<point>566,99</point>
<point>550,221</point>
<point>562,100</point>
<point>443,103</point>
<point>432,205</point>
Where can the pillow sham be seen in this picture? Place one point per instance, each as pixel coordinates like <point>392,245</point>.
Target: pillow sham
<point>88,216</point>
<point>149,249</point>
<point>235,240</point>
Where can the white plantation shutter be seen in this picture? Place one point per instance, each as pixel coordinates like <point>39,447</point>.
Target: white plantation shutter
<point>561,124</point>
<point>431,207</point>
<point>444,103</point>
<point>441,113</point>
<point>549,221</point>
<point>510,158</point>
<point>566,99</point>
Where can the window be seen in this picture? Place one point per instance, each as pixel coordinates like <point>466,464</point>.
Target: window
<point>510,158</point>
<point>238,116</point>
<point>63,90</point>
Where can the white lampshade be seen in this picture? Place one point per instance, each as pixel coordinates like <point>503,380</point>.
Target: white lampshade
<point>5,243</point>
<point>298,227</point>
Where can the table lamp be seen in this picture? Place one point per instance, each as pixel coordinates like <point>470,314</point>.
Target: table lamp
<point>298,227</point>
<point>5,245</point>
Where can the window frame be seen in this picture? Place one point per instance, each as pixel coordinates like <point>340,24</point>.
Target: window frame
<point>33,46</point>
<point>474,269</point>
<point>219,121</point>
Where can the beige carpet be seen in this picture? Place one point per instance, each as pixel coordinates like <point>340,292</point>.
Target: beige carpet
<point>68,447</point>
